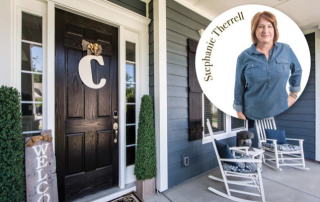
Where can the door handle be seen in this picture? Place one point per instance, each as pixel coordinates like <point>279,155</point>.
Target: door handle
<point>115,128</point>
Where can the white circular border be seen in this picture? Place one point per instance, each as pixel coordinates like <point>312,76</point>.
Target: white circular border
<point>232,42</point>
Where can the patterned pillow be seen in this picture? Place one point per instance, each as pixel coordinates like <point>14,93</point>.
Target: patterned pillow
<point>283,147</point>
<point>247,167</point>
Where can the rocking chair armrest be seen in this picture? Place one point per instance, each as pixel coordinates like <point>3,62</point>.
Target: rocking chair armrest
<point>295,139</point>
<point>243,160</point>
<point>239,149</point>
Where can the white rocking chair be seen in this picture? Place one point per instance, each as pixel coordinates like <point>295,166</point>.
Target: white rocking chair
<point>281,155</point>
<point>253,179</point>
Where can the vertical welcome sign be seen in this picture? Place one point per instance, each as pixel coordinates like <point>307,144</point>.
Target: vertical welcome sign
<point>40,163</point>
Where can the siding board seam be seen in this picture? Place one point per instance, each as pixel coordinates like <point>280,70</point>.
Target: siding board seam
<point>177,64</point>
<point>179,33</point>
<point>179,162</point>
<point>178,76</point>
<point>186,17</point>
<point>180,24</point>
<point>177,43</point>
<point>189,167</point>
<point>176,54</point>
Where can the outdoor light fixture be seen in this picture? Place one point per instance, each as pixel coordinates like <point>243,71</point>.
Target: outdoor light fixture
<point>200,31</point>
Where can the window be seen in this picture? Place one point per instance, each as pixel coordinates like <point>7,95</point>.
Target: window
<point>221,123</point>
<point>216,117</point>
<point>31,74</point>
<point>130,103</point>
<point>237,123</point>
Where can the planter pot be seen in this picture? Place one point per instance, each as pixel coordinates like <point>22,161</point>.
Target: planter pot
<point>146,188</point>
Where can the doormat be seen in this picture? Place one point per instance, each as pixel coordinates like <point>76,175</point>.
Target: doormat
<point>131,197</point>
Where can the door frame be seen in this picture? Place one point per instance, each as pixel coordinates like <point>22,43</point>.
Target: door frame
<point>132,27</point>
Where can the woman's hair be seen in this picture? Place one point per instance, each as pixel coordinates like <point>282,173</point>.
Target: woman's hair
<point>255,22</point>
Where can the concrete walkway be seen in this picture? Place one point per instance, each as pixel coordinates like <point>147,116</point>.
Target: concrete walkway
<point>288,185</point>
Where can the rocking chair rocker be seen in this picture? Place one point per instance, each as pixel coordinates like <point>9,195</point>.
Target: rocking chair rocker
<point>252,175</point>
<point>290,155</point>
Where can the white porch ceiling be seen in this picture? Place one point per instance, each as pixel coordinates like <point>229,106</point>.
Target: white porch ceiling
<point>306,13</point>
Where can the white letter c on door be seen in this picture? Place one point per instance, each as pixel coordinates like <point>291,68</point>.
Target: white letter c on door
<point>86,73</point>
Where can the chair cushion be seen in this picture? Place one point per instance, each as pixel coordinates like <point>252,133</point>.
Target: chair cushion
<point>278,135</point>
<point>224,151</point>
<point>282,147</point>
<point>241,167</point>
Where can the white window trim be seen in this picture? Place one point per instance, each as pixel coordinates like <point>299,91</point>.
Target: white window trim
<point>228,132</point>
<point>317,85</point>
<point>98,10</point>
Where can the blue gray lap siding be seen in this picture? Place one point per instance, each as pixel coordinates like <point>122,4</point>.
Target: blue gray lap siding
<point>181,25</point>
<point>136,6</point>
<point>299,120</point>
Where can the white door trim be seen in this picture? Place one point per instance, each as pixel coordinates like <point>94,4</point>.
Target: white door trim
<point>104,11</point>
<point>51,69</point>
<point>126,21</point>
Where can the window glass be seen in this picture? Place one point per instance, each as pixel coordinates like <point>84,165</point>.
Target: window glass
<point>130,103</point>
<point>131,114</point>
<point>130,72</point>
<point>130,93</point>
<point>31,87</point>
<point>31,117</point>
<point>31,28</point>
<point>130,52</point>
<point>31,57</point>
<point>131,153</point>
<point>216,117</point>
<point>131,135</point>
<point>237,123</point>
<point>31,75</point>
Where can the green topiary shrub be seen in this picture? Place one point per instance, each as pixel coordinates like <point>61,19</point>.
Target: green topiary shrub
<point>145,163</point>
<point>12,176</point>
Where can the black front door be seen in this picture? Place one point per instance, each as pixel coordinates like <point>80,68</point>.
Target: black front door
<point>87,155</point>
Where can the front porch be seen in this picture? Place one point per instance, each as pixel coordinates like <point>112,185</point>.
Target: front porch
<point>286,186</point>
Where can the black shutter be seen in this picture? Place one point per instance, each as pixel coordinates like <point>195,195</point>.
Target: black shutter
<point>195,94</point>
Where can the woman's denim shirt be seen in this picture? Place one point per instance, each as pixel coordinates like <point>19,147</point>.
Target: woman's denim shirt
<point>260,87</point>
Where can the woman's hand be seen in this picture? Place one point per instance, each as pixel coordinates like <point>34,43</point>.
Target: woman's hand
<point>291,100</point>
<point>241,115</point>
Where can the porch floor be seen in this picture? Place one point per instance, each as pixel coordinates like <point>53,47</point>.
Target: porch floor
<point>288,185</point>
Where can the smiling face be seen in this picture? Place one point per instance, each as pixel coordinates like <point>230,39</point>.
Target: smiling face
<point>265,31</point>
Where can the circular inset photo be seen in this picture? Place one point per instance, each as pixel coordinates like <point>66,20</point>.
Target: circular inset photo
<point>253,62</point>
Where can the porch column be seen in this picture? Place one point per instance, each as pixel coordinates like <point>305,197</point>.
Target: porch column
<point>160,92</point>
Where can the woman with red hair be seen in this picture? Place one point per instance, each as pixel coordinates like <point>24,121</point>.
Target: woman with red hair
<point>263,71</point>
